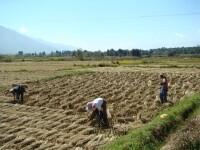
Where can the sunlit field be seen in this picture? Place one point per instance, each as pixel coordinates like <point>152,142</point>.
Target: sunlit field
<point>53,115</point>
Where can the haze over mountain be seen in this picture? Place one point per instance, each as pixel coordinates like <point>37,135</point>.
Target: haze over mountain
<point>11,42</point>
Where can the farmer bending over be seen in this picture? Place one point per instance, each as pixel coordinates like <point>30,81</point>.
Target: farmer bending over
<point>18,91</point>
<point>98,107</point>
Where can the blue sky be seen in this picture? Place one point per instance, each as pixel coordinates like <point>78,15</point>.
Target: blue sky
<point>104,24</point>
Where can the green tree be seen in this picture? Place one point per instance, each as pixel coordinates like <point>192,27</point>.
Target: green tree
<point>20,53</point>
<point>79,54</point>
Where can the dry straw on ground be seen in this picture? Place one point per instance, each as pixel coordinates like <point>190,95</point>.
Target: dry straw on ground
<point>53,115</point>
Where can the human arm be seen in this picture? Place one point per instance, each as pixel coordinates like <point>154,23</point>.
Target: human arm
<point>92,116</point>
<point>163,81</point>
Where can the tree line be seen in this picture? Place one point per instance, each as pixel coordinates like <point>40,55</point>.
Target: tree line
<point>82,54</point>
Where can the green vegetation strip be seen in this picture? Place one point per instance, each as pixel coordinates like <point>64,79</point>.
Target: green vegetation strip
<point>161,62</point>
<point>188,136</point>
<point>153,134</point>
<point>69,74</point>
<point>64,69</point>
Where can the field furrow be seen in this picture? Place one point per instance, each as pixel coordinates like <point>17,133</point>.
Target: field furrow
<point>53,115</point>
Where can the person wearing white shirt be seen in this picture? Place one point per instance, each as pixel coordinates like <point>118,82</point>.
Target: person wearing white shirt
<point>18,92</point>
<point>98,107</point>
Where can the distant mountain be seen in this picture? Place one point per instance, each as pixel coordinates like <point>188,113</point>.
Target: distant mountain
<point>57,45</point>
<point>11,42</point>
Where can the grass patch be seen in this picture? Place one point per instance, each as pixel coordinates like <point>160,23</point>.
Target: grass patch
<point>63,69</point>
<point>130,62</point>
<point>95,65</point>
<point>106,65</point>
<point>162,62</point>
<point>153,134</point>
<point>21,70</point>
<point>170,66</point>
<point>189,136</point>
<point>69,75</point>
<point>7,58</point>
<point>163,66</point>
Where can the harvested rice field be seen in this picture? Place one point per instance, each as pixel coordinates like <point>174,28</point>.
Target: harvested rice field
<point>53,114</point>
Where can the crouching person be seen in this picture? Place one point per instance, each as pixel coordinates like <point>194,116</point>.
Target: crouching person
<point>98,107</point>
<point>18,93</point>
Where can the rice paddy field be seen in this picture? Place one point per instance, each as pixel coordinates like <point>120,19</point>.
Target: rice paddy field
<point>53,115</point>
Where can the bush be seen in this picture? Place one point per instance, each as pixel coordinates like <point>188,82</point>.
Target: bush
<point>6,59</point>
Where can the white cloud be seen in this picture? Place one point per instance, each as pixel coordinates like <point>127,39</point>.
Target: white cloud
<point>23,30</point>
<point>180,35</point>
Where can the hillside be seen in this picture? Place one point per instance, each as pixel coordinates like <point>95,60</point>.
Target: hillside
<point>11,42</point>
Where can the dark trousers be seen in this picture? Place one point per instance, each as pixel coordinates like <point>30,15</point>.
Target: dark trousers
<point>18,96</point>
<point>19,93</point>
<point>163,96</point>
<point>102,114</point>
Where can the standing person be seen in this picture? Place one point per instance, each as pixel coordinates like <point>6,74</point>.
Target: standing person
<point>164,89</point>
<point>18,92</point>
<point>98,107</point>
